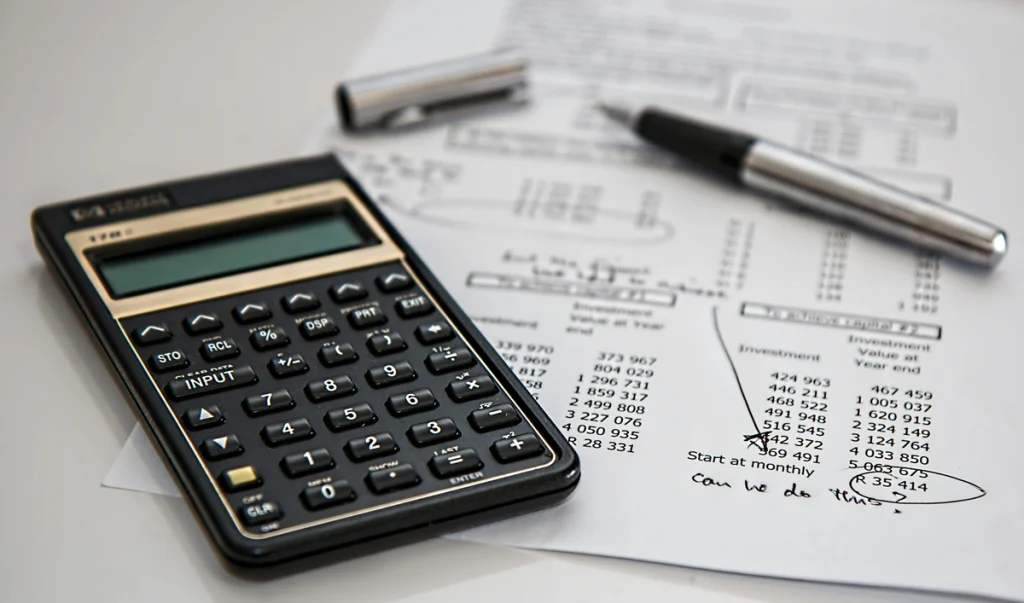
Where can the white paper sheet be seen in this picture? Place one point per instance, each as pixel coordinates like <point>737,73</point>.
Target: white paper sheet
<point>505,587</point>
<point>667,321</point>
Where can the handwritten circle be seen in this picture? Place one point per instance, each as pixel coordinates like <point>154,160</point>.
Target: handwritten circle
<point>903,486</point>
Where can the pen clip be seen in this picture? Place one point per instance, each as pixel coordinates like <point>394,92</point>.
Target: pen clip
<point>433,92</point>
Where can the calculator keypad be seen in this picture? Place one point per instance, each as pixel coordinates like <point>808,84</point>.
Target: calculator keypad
<point>331,396</point>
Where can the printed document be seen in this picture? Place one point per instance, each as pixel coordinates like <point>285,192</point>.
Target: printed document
<point>751,388</point>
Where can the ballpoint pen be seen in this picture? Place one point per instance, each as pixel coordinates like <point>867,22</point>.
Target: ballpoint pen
<point>817,184</point>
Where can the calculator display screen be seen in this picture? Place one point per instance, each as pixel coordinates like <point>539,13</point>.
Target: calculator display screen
<point>214,255</point>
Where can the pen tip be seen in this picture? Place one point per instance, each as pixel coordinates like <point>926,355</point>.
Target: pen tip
<point>617,112</point>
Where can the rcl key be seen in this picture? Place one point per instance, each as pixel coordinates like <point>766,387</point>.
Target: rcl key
<point>219,349</point>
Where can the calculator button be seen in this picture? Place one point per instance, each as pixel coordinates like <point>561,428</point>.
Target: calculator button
<point>329,389</point>
<point>339,353</point>
<point>317,328</point>
<point>259,513</point>
<point>287,366</point>
<point>240,478</point>
<point>516,448</point>
<point>300,302</point>
<point>221,448</point>
<point>392,478</point>
<point>262,404</point>
<point>202,323</point>
<point>411,402</point>
<point>277,434</point>
<point>412,307</point>
<point>201,418</point>
<point>366,317</point>
<point>151,334</point>
<point>327,495</point>
<point>347,292</point>
<point>434,332</point>
<point>433,432</point>
<point>396,281</point>
<point>199,385</point>
<point>495,417</point>
<point>385,343</point>
<point>219,349</point>
<point>455,463</point>
<point>390,374</point>
<point>269,338</point>
<point>471,388</point>
<point>304,463</point>
<point>350,417</point>
<point>168,361</point>
<point>451,360</point>
<point>251,312</point>
<point>371,447</point>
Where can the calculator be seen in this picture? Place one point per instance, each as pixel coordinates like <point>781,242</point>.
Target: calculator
<point>308,380</point>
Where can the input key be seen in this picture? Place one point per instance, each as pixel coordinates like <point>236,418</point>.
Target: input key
<point>216,380</point>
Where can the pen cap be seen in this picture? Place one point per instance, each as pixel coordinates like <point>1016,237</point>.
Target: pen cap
<point>421,94</point>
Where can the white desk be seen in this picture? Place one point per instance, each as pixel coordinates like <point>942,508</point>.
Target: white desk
<point>104,95</point>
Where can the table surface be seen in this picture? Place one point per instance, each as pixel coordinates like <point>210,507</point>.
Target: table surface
<point>104,95</point>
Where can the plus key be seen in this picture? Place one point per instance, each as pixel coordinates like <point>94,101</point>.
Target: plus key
<point>508,450</point>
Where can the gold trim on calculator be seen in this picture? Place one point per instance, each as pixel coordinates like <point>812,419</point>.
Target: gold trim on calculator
<point>283,201</point>
<point>259,206</point>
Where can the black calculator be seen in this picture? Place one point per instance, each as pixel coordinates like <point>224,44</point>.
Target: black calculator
<point>308,380</point>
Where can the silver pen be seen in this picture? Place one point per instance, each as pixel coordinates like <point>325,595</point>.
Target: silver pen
<point>818,185</point>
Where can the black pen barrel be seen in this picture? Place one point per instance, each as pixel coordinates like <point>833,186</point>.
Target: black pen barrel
<point>719,149</point>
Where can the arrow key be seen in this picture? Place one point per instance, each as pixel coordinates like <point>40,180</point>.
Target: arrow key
<point>202,323</point>
<point>300,302</point>
<point>348,292</point>
<point>434,332</point>
<point>201,418</point>
<point>396,281</point>
<point>149,334</point>
<point>251,312</point>
<point>221,448</point>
